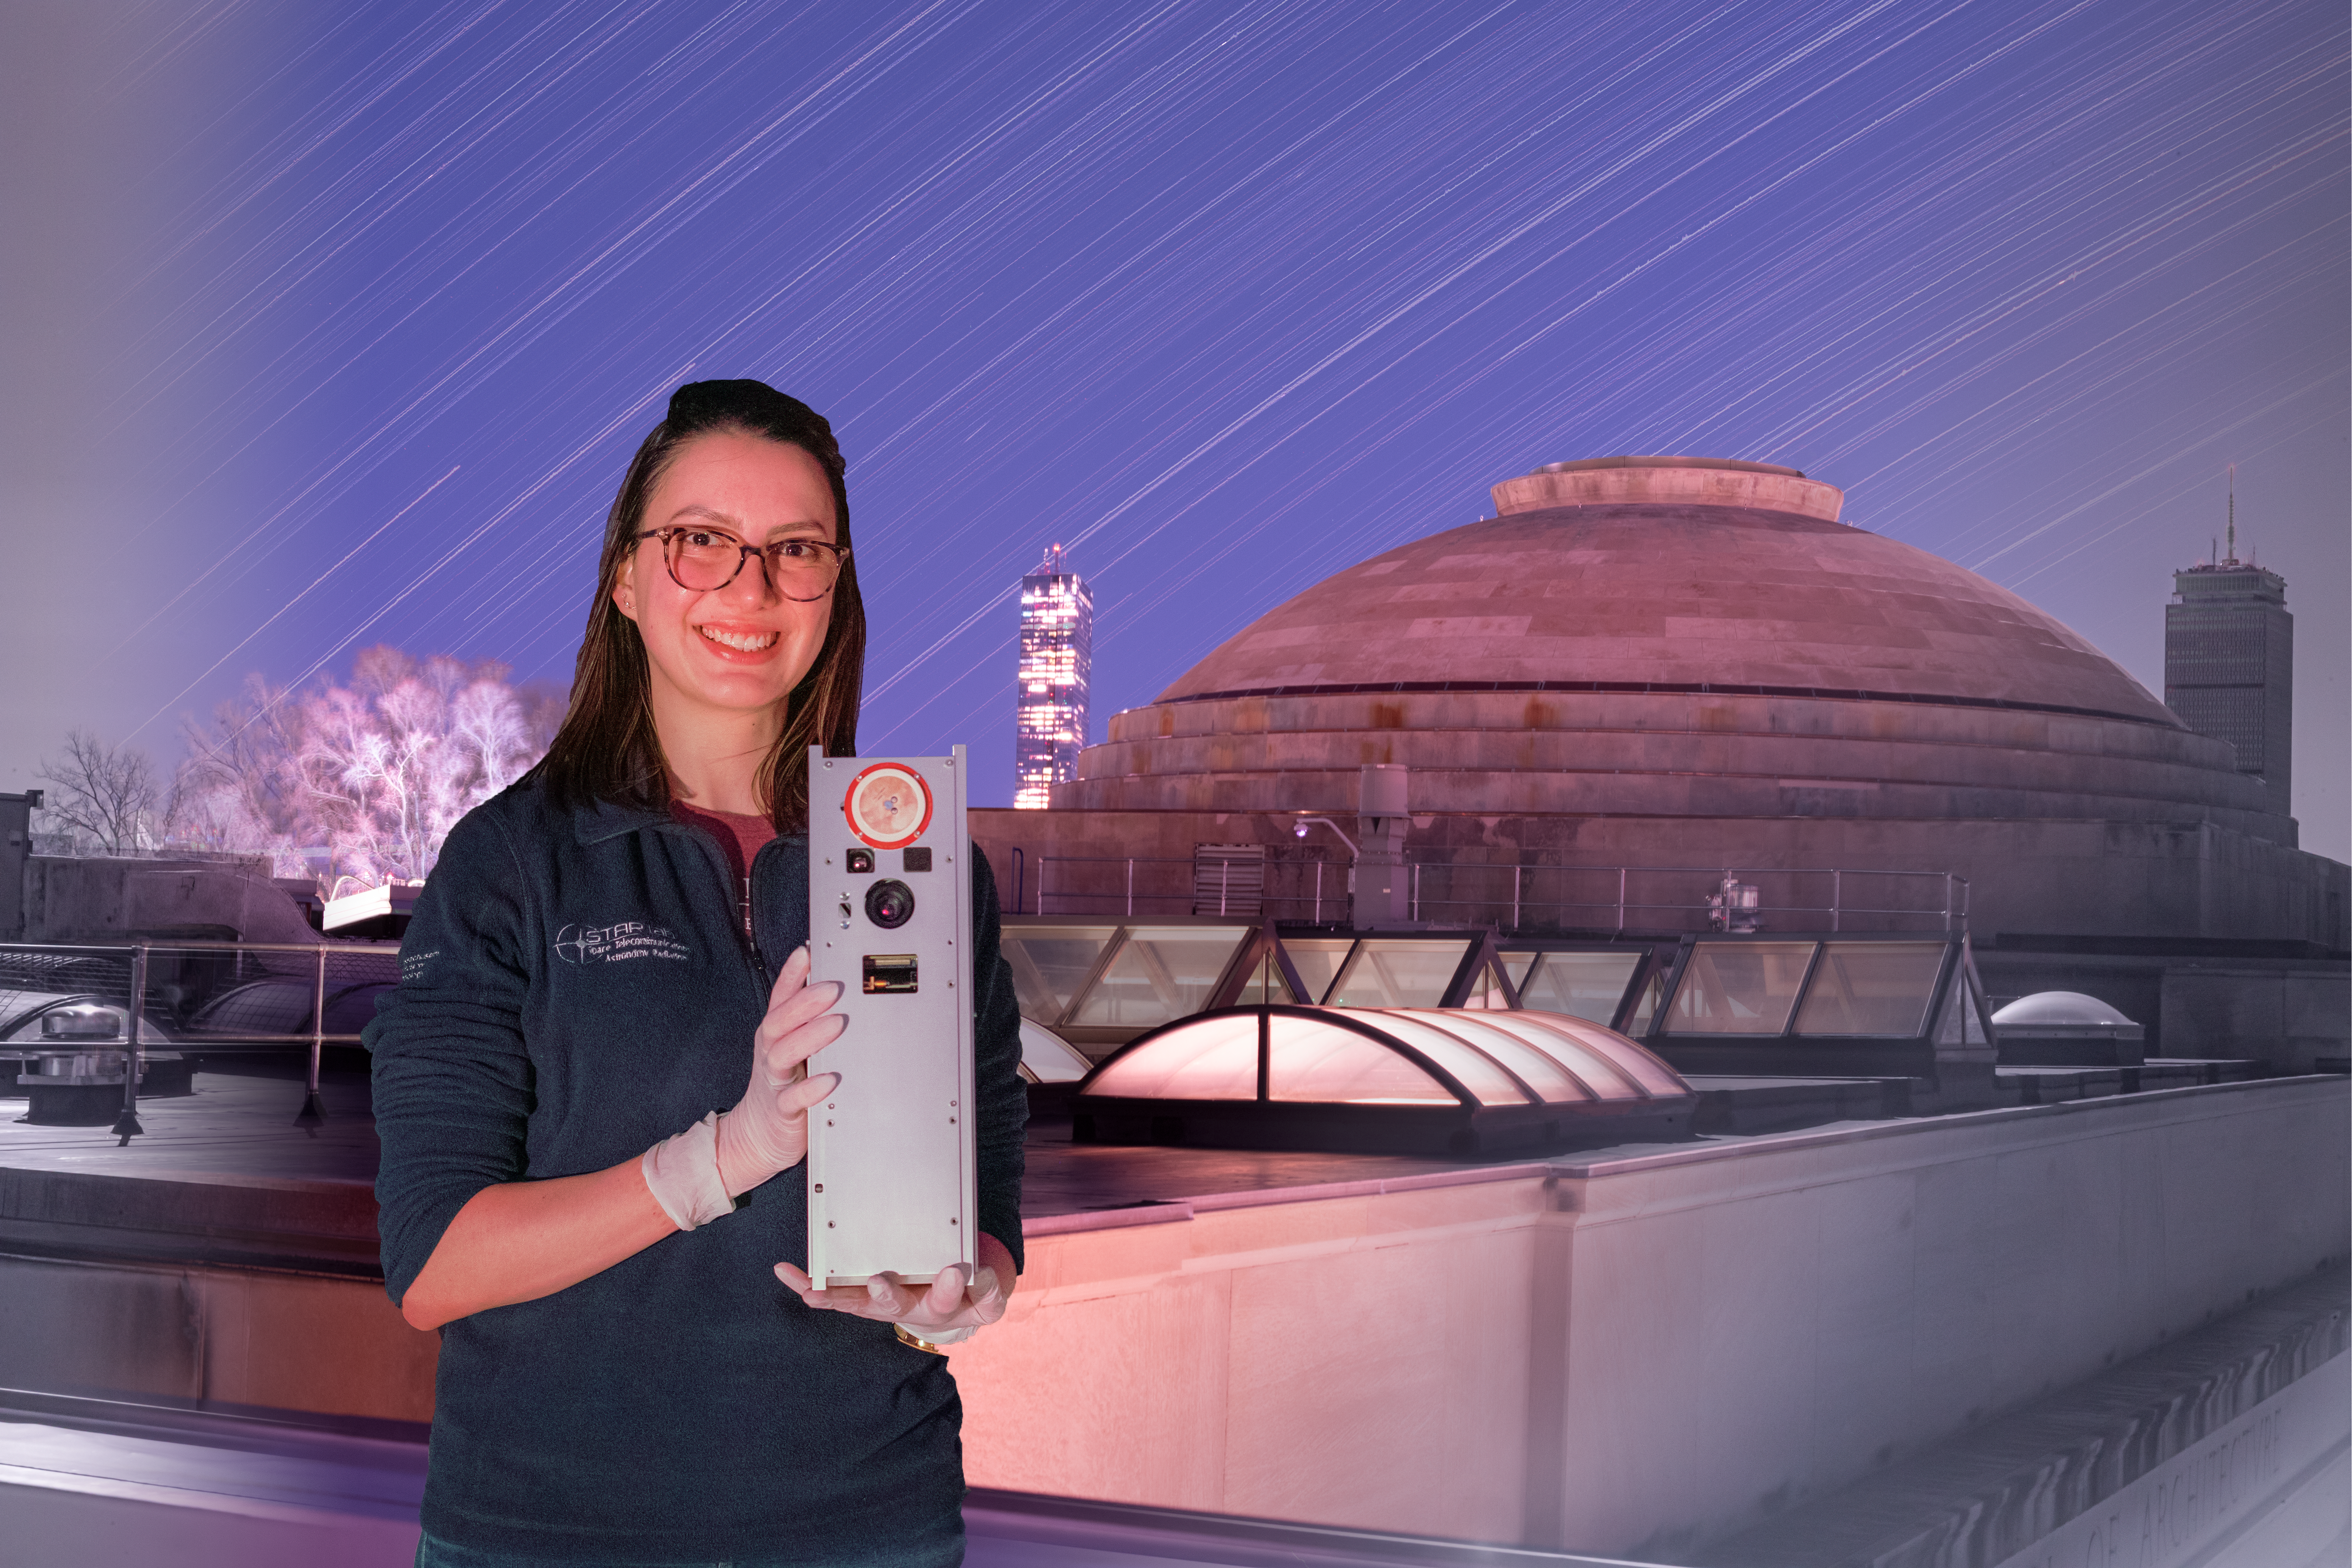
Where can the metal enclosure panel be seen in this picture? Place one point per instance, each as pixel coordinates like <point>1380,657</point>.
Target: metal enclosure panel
<point>892,1187</point>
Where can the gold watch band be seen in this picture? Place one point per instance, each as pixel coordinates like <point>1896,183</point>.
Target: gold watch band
<point>920,1344</point>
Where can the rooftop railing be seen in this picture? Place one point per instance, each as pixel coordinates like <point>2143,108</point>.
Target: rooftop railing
<point>1520,898</point>
<point>206,998</point>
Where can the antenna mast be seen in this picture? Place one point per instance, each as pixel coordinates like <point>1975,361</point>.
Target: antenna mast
<point>2233,514</point>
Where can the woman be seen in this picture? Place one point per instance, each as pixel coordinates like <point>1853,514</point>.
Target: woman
<point>590,1084</point>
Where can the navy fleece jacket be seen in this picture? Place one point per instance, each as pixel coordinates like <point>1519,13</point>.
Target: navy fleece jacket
<point>575,987</point>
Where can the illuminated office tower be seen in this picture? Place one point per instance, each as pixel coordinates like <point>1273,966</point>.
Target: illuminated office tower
<point>2229,662</point>
<point>1058,656</point>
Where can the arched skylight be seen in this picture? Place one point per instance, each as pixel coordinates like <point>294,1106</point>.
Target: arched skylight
<point>1432,1080</point>
<point>1047,1058</point>
<point>1386,1056</point>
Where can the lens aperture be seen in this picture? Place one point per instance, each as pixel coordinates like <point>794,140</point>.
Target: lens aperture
<point>890,904</point>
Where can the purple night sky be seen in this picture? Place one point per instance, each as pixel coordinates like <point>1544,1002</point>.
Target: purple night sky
<point>328,326</point>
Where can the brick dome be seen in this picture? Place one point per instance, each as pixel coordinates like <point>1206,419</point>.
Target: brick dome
<point>1665,634</point>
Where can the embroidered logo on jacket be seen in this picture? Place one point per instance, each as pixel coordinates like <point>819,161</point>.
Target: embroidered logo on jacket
<point>612,944</point>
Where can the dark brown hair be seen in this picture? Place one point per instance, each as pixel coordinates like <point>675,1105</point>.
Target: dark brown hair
<point>607,748</point>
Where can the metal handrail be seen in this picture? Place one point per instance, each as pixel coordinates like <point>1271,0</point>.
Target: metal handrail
<point>314,1113</point>
<point>1951,912</point>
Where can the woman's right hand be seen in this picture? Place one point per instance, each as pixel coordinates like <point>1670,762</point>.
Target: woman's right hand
<point>767,1132</point>
<point>519,1240</point>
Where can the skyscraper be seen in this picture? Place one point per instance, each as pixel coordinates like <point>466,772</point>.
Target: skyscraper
<point>2229,661</point>
<point>1058,656</point>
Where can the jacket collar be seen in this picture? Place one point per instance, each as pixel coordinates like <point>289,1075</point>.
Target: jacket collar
<point>605,819</point>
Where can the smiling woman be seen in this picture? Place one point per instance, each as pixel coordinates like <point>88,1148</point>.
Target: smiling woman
<point>726,647</point>
<point>760,470</point>
<point>634,1365</point>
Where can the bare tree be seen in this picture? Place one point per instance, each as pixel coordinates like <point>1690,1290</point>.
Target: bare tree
<point>374,773</point>
<point>237,790</point>
<point>106,791</point>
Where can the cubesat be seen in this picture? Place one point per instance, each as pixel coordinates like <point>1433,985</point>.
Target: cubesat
<point>891,1183</point>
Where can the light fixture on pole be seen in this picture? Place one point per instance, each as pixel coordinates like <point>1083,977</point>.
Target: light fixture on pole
<point>1301,827</point>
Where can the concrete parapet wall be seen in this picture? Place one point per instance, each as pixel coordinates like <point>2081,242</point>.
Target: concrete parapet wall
<point>111,900</point>
<point>1631,1355</point>
<point>227,1336</point>
<point>288,1312</point>
<point>1625,1355</point>
<point>2302,1012</point>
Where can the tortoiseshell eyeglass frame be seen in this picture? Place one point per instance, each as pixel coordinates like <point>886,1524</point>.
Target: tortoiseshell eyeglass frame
<point>767,554</point>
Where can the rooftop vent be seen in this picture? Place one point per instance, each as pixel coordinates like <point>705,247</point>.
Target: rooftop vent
<point>2067,1028</point>
<point>2070,1010</point>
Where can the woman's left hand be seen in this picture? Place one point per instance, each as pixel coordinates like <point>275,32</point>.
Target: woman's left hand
<point>950,1307</point>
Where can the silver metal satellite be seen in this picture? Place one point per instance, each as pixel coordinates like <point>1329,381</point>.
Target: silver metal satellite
<point>891,1178</point>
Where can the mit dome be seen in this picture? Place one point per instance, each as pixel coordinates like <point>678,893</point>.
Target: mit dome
<point>1682,661</point>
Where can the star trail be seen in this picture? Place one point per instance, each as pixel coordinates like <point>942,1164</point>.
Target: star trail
<point>1224,296</point>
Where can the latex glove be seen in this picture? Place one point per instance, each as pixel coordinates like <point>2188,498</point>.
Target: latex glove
<point>695,1175</point>
<point>950,1308</point>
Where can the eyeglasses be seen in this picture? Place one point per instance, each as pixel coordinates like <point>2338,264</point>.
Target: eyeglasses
<point>702,559</point>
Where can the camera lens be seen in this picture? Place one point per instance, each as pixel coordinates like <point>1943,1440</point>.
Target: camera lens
<point>890,904</point>
<point>861,861</point>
